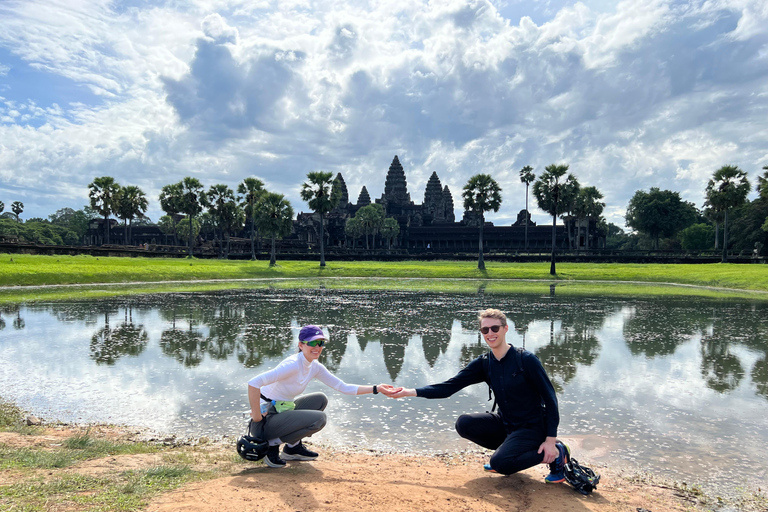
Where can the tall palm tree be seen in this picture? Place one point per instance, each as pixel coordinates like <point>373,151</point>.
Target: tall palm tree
<point>527,177</point>
<point>727,189</point>
<point>102,194</point>
<point>218,196</point>
<point>17,207</point>
<point>317,192</point>
<point>193,201</point>
<point>481,194</point>
<point>250,190</point>
<point>274,216</point>
<point>131,202</point>
<point>171,200</point>
<point>371,218</point>
<point>554,195</point>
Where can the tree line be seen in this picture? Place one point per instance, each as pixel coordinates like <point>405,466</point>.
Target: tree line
<point>661,219</point>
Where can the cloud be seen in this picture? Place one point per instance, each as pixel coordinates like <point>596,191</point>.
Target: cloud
<point>631,95</point>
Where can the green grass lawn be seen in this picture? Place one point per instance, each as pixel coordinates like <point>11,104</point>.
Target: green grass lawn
<point>25,270</point>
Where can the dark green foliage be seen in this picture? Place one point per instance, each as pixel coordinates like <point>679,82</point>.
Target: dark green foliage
<point>659,213</point>
<point>38,232</point>
<point>698,237</point>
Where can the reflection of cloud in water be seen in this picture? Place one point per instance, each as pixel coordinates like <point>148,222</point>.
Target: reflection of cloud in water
<point>659,397</point>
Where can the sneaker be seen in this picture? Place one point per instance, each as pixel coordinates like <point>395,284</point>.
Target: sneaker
<point>488,468</point>
<point>298,452</point>
<point>273,459</point>
<point>557,469</point>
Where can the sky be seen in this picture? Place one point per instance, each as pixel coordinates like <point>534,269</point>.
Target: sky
<point>631,95</point>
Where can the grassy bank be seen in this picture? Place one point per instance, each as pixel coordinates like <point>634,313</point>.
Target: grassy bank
<point>24,270</point>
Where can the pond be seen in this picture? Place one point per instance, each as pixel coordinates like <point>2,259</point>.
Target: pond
<point>676,386</point>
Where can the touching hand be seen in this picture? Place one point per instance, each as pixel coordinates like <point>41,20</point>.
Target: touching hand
<point>401,392</point>
<point>387,389</point>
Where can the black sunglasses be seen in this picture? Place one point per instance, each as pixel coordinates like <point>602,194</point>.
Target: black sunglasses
<point>494,328</point>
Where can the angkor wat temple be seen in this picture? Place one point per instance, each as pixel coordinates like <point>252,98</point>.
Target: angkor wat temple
<point>427,227</point>
<point>431,226</point>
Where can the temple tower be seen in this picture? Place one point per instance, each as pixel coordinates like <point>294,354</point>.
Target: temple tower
<point>395,187</point>
<point>364,199</point>
<point>450,216</point>
<point>338,183</point>
<point>434,200</point>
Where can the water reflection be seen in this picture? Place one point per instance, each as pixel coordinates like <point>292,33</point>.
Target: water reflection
<point>661,378</point>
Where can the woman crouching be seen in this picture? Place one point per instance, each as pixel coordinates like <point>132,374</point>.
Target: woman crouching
<point>278,416</point>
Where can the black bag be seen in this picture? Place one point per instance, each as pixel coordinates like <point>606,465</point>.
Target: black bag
<point>582,478</point>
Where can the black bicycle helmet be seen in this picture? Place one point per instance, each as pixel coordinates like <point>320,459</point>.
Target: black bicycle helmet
<point>582,478</point>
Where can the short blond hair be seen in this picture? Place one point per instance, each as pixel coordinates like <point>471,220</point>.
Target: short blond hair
<point>492,313</point>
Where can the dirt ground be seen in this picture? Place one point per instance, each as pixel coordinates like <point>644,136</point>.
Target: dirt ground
<point>342,481</point>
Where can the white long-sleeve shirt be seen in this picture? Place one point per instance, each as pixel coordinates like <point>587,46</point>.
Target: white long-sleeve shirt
<point>290,378</point>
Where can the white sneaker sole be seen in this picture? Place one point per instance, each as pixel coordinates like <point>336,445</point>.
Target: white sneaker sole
<point>272,464</point>
<point>288,456</point>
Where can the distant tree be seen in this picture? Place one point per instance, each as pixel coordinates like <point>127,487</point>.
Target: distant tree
<point>183,228</point>
<point>555,196</point>
<point>2,206</point>
<point>316,191</point>
<point>250,190</point>
<point>762,185</point>
<point>715,218</point>
<point>167,226</point>
<point>353,228</point>
<point>389,230</point>
<point>697,237</point>
<point>131,202</point>
<point>102,194</point>
<point>659,213</point>
<point>481,194</point>
<point>192,203</point>
<point>587,205</point>
<point>171,201</point>
<point>218,198</point>
<point>17,207</point>
<point>232,221</point>
<point>371,219</point>
<point>727,189</point>
<point>76,221</point>
<point>527,177</point>
<point>273,217</point>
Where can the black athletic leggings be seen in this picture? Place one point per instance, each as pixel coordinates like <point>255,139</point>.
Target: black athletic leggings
<point>515,451</point>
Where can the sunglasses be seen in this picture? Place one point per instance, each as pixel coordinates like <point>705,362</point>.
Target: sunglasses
<point>315,343</point>
<point>494,328</point>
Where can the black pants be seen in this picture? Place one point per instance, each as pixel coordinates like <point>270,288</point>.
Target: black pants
<point>515,450</point>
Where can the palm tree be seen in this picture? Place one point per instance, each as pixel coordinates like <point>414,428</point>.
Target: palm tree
<point>481,194</point>
<point>527,177</point>
<point>102,194</point>
<point>131,202</point>
<point>218,196</point>
<point>586,205</point>
<point>371,218</point>
<point>554,197</point>
<point>17,207</point>
<point>250,190</point>
<point>390,229</point>
<point>192,202</point>
<point>727,189</point>
<point>316,191</point>
<point>171,199</point>
<point>274,216</point>
<point>232,219</point>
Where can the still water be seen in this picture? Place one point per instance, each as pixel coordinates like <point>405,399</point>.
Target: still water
<point>677,386</point>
